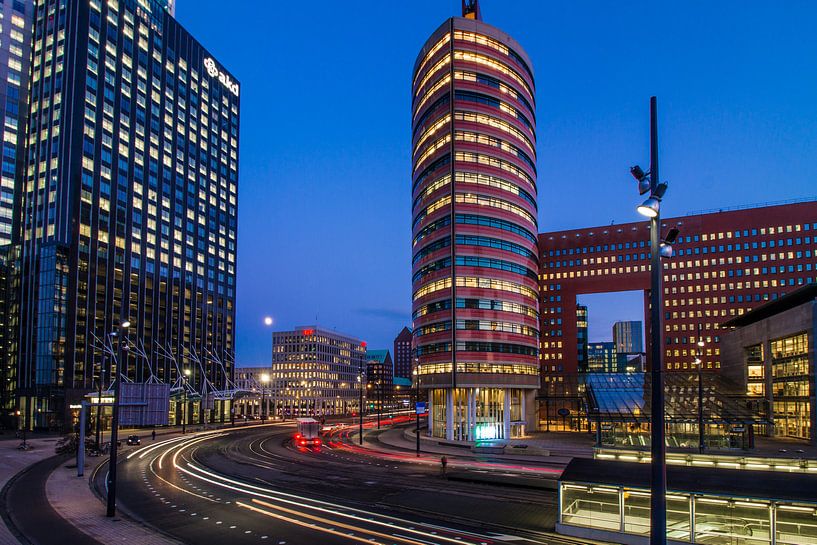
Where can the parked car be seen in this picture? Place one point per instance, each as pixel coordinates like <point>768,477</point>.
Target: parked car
<point>134,440</point>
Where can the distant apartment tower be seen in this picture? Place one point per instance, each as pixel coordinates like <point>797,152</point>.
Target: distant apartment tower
<point>129,204</point>
<point>602,357</point>
<point>403,356</point>
<point>628,338</point>
<point>316,372</point>
<point>726,263</point>
<point>581,336</point>
<point>379,380</point>
<point>475,284</point>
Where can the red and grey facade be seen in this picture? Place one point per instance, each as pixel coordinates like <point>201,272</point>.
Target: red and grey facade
<point>726,263</point>
<point>475,263</point>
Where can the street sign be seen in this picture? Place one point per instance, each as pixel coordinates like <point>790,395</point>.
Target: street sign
<point>421,407</point>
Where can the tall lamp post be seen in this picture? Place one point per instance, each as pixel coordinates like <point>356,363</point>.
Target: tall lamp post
<point>268,322</point>
<point>650,183</point>
<point>121,347</point>
<point>264,383</point>
<point>185,380</point>
<point>700,363</point>
<point>360,403</point>
<point>99,402</point>
<point>416,388</point>
<point>380,386</point>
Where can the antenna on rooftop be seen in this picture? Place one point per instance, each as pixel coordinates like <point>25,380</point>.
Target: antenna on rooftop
<point>470,9</point>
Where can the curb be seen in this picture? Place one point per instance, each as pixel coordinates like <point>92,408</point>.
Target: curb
<point>122,511</point>
<point>5,513</point>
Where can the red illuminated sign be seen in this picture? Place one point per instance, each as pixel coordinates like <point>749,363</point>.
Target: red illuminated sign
<point>309,331</point>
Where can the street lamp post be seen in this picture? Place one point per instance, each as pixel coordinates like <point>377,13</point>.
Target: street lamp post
<point>111,507</point>
<point>99,402</point>
<point>264,382</point>
<point>360,403</point>
<point>22,418</point>
<point>185,379</point>
<point>651,208</point>
<point>416,388</point>
<point>658,499</point>
<point>700,362</point>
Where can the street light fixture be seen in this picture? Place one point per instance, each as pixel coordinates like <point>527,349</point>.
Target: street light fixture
<point>699,362</point>
<point>185,380</point>
<point>122,346</point>
<point>642,178</point>
<point>264,383</point>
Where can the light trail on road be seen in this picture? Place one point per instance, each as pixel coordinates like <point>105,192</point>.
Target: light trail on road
<point>179,484</point>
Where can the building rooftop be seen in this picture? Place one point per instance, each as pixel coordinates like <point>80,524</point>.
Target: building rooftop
<point>378,355</point>
<point>765,485</point>
<point>787,302</point>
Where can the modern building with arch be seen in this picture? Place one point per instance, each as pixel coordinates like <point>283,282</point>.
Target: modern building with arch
<point>474,227</point>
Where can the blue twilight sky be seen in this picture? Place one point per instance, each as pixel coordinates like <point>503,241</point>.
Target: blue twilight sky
<point>324,184</point>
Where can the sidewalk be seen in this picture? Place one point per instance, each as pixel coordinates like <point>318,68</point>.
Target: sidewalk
<point>13,461</point>
<point>562,447</point>
<point>75,501</point>
<point>73,497</point>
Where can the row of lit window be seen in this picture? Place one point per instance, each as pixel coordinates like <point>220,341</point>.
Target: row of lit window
<point>475,367</point>
<point>471,37</point>
<point>691,238</point>
<point>478,325</point>
<point>495,162</point>
<point>706,262</point>
<point>475,282</point>
<point>481,200</point>
<point>476,304</point>
<point>478,179</point>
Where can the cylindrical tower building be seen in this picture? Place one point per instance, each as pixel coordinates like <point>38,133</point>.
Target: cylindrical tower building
<point>475,261</point>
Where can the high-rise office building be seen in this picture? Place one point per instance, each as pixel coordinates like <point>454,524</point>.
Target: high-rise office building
<point>726,262</point>
<point>628,338</point>
<point>403,356</point>
<point>581,336</point>
<point>129,203</point>
<point>601,358</point>
<point>15,56</point>
<point>316,372</point>
<point>474,210</point>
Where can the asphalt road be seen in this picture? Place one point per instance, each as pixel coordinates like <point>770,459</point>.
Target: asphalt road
<point>253,486</point>
<point>30,513</point>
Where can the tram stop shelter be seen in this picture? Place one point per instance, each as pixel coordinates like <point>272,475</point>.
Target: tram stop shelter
<point>610,501</point>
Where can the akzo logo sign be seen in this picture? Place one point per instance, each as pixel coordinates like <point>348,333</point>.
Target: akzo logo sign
<point>225,79</point>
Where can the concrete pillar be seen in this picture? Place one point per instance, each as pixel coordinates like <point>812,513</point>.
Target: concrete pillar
<point>530,410</point>
<point>449,414</point>
<point>430,429</point>
<point>506,415</point>
<point>767,374</point>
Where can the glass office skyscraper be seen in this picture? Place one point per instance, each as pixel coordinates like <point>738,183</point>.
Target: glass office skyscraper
<point>129,201</point>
